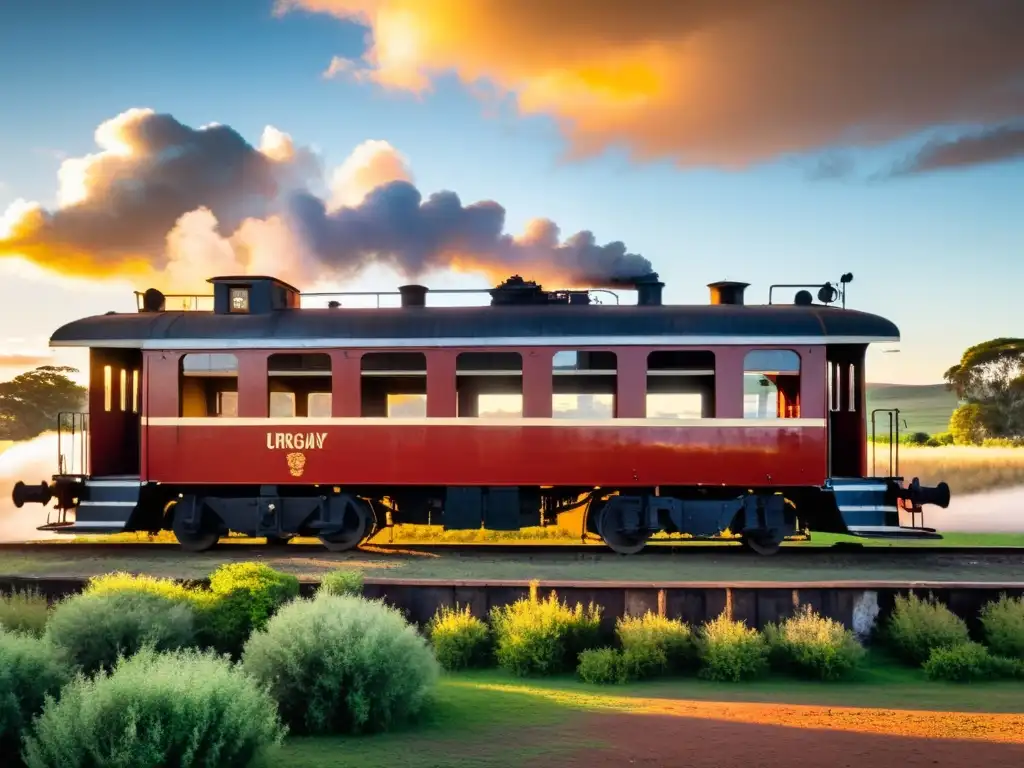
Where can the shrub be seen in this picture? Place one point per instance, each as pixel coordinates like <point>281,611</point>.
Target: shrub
<point>184,708</point>
<point>601,666</point>
<point>342,664</point>
<point>243,598</point>
<point>917,626</point>
<point>814,646</point>
<point>655,645</point>
<point>961,663</point>
<point>94,629</point>
<point>342,582</point>
<point>534,636</point>
<point>29,670</point>
<point>120,581</point>
<point>24,611</point>
<point>1002,623</point>
<point>460,639</point>
<point>731,651</point>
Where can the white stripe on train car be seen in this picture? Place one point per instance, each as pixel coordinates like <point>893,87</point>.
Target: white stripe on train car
<point>474,421</point>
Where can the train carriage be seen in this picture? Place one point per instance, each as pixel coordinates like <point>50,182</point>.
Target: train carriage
<point>267,418</point>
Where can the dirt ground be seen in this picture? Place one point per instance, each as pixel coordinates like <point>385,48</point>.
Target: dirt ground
<point>721,735</point>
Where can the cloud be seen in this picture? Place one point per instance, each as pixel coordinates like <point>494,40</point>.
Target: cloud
<point>175,205</point>
<point>986,147</point>
<point>25,360</point>
<point>721,82</point>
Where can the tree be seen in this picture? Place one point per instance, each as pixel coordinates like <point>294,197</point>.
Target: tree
<point>30,403</point>
<point>990,376</point>
<point>967,424</point>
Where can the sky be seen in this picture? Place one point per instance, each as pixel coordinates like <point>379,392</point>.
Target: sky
<point>360,144</point>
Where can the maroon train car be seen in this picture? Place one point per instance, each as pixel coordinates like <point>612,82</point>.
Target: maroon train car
<point>271,419</point>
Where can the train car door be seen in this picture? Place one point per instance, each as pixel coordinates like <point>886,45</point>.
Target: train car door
<point>115,406</point>
<point>847,417</point>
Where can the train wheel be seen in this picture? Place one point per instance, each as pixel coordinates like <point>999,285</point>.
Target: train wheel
<point>355,528</point>
<point>201,540</point>
<point>617,541</point>
<point>762,546</point>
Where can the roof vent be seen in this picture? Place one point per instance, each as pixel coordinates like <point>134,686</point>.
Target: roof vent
<point>333,304</point>
<point>803,299</point>
<point>648,290</point>
<point>413,295</point>
<point>727,292</point>
<point>517,291</point>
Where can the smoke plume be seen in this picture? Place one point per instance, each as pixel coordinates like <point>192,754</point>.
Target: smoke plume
<point>178,204</point>
<point>721,82</point>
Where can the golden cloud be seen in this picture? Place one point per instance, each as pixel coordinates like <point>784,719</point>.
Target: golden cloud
<point>723,82</point>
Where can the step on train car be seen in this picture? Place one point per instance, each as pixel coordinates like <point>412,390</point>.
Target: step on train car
<point>271,419</point>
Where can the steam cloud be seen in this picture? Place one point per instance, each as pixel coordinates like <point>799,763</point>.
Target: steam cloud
<point>723,82</point>
<point>184,203</point>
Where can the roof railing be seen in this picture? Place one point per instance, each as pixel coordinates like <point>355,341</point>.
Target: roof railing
<point>199,302</point>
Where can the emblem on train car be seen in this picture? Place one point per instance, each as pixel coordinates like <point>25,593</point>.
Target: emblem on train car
<point>296,441</point>
<point>296,463</point>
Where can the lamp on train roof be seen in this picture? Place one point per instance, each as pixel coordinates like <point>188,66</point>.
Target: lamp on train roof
<point>153,300</point>
<point>827,293</point>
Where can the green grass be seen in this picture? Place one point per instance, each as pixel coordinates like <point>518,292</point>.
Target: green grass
<point>475,713</point>
<point>925,407</point>
<point>726,566</point>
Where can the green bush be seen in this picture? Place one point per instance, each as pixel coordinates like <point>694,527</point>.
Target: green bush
<point>243,597</point>
<point>94,629</point>
<point>119,581</point>
<point>24,611</point>
<point>814,646</point>
<point>460,639</point>
<point>543,637</point>
<point>917,626</point>
<point>654,645</point>
<point>601,666</point>
<point>182,709</point>
<point>1002,623</point>
<point>961,663</point>
<point>342,582</point>
<point>342,664</point>
<point>30,669</point>
<point>731,651</point>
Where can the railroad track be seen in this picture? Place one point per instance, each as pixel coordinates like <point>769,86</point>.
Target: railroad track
<point>486,549</point>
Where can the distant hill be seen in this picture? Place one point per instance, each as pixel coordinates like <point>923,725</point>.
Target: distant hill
<point>925,407</point>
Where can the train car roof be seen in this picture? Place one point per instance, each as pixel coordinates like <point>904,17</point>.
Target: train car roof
<point>556,325</point>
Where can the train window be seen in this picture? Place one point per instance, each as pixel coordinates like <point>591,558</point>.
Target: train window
<point>771,384</point>
<point>208,385</point>
<point>318,405</point>
<point>394,384</point>
<point>292,379</point>
<point>583,385</point>
<point>681,384</point>
<point>108,388</point>
<point>489,384</point>
<point>124,390</point>
<point>135,391</point>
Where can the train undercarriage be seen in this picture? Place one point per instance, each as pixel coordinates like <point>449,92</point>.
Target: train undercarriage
<point>625,519</point>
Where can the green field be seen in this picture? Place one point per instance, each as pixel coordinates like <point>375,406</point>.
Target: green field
<point>925,407</point>
<point>491,719</point>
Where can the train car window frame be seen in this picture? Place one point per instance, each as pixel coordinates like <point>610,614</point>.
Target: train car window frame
<point>484,377</point>
<point>778,373</point>
<point>393,384</point>
<point>292,378</point>
<point>216,385</point>
<point>675,373</point>
<point>238,299</point>
<point>589,376</point>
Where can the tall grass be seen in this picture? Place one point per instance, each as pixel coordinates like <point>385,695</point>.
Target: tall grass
<point>967,468</point>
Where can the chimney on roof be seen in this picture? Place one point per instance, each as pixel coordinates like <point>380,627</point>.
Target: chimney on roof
<point>648,289</point>
<point>727,292</point>
<point>413,295</point>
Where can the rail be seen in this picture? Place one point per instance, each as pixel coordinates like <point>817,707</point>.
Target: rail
<point>894,440</point>
<point>203,302</point>
<point>73,443</point>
